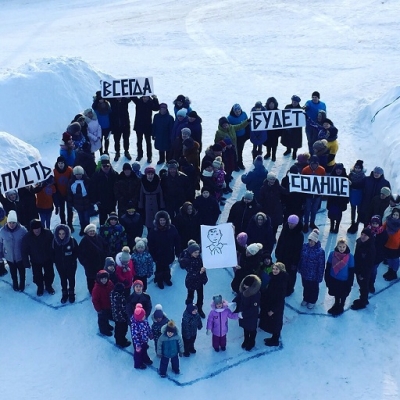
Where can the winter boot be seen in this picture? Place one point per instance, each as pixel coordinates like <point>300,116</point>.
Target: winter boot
<point>332,230</point>
<point>117,156</point>
<point>353,228</point>
<point>336,229</point>
<point>254,153</point>
<point>273,158</point>
<point>387,273</point>
<point>64,297</point>
<point>201,312</point>
<point>272,341</point>
<point>3,270</point>
<point>335,307</point>
<point>358,305</point>
<point>392,275</point>
<point>288,151</point>
<point>294,154</point>
<point>49,289</point>
<point>127,155</point>
<point>71,296</point>
<point>40,290</point>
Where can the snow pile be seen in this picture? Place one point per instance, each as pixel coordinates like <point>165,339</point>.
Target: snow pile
<point>381,122</point>
<point>16,153</point>
<point>46,95</point>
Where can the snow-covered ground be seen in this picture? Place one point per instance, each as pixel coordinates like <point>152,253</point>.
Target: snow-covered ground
<point>218,53</point>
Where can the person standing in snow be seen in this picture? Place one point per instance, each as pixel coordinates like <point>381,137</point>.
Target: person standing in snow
<point>292,138</point>
<point>37,253</point>
<point>311,269</point>
<point>145,106</point>
<point>118,310</point>
<point>65,255</point>
<point>236,117</point>
<point>102,302</point>
<point>94,130</point>
<point>217,322</point>
<point>11,235</point>
<point>191,323</point>
<point>102,108</point>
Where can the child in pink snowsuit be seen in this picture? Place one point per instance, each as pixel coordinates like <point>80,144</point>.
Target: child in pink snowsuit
<point>217,322</point>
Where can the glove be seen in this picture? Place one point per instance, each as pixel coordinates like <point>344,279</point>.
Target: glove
<point>154,96</point>
<point>57,210</point>
<point>208,332</point>
<point>138,348</point>
<point>240,315</point>
<point>249,120</point>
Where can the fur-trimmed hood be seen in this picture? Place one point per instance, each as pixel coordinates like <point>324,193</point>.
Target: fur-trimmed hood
<point>156,222</point>
<point>251,290</point>
<point>67,237</point>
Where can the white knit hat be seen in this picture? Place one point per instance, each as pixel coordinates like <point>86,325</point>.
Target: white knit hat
<point>314,235</point>
<point>12,216</point>
<point>90,227</point>
<point>254,248</point>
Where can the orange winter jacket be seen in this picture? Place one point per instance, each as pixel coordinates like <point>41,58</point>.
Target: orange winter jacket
<point>44,198</point>
<point>61,180</point>
<point>393,241</point>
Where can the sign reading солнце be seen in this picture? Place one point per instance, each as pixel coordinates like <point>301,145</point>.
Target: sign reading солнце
<point>319,185</point>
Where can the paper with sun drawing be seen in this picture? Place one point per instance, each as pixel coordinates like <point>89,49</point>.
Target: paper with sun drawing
<point>218,248</point>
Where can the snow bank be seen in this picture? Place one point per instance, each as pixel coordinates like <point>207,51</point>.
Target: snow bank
<point>382,119</point>
<point>46,95</point>
<point>16,153</point>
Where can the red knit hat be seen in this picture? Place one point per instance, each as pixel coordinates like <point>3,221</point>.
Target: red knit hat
<point>139,314</point>
<point>66,137</point>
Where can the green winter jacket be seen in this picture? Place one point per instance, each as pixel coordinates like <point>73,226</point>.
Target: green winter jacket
<point>169,346</point>
<point>230,132</point>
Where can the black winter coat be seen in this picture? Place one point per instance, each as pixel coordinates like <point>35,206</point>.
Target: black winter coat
<point>119,117</point>
<point>248,303</point>
<point>164,244</point>
<point>194,279</point>
<point>175,190</point>
<point>337,204</point>
<point>102,189</point>
<point>261,234</point>
<point>92,252</point>
<point>372,188</point>
<point>273,299</point>
<point>270,201</point>
<point>37,249</point>
<point>188,226</point>
<point>364,256</point>
<point>207,209</point>
<point>144,114</point>
<point>377,207</point>
<point>289,246</point>
<point>142,298</point>
<point>133,225</point>
<point>292,138</point>
<point>127,188</point>
<point>79,202</point>
<point>248,265</point>
<point>86,161</point>
<point>380,241</point>
<point>241,213</point>
<point>65,253</point>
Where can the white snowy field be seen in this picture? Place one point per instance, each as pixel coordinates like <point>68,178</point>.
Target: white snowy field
<point>53,54</point>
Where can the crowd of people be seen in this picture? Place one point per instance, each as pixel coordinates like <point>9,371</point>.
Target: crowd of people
<point>170,206</point>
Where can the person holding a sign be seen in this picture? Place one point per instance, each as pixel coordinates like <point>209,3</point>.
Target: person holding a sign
<point>145,106</point>
<point>313,201</point>
<point>273,134</point>
<point>293,138</point>
<point>102,109</point>
<point>120,125</point>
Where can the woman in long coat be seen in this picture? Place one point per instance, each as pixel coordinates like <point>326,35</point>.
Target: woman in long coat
<point>272,304</point>
<point>151,196</point>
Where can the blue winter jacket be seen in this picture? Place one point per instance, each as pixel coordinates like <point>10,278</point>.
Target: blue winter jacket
<point>234,120</point>
<point>312,109</point>
<point>254,179</point>
<point>312,262</point>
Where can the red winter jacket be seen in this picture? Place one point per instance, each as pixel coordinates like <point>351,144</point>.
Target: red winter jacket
<point>101,296</point>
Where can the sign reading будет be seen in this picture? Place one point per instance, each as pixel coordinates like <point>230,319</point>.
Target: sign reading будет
<point>319,185</point>
<point>29,175</point>
<point>128,87</point>
<point>277,119</point>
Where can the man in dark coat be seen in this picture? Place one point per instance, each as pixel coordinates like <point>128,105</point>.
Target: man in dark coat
<point>175,186</point>
<point>187,222</point>
<point>288,249</point>
<point>364,256</point>
<point>143,123</point>
<point>164,245</point>
<point>85,159</point>
<point>120,125</point>
<point>207,207</point>
<point>37,252</point>
<point>102,188</point>
<point>379,204</point>
<point>242,211</point>
<point>126,189</point>
<point>373,185</point>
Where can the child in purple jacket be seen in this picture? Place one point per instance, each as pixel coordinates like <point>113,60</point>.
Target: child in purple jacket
<point>217,322</point>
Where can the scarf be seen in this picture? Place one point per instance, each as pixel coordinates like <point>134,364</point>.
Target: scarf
<point>74,187</point>
<point>376,231</point>
<point>339,261</point>
<point>392,225</point>
<point>356,177</point>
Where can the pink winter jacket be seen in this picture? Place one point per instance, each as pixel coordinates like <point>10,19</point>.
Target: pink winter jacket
<point>217,321</point>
